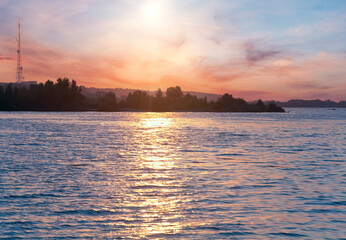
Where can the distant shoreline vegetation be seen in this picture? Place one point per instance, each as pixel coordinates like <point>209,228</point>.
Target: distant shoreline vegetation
<point>299,103</point>
<point>65,95</point>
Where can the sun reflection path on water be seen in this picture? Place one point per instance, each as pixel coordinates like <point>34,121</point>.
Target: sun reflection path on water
<point>157,190</point>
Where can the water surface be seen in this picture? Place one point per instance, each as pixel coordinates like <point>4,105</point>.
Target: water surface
<point>173,175</point>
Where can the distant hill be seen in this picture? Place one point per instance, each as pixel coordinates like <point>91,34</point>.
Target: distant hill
<point>299,103</point>
<point>122,93</point>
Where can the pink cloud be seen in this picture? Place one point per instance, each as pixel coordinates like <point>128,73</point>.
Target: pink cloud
<point>272,74</point>
<point>3,58</point>
<point>255,53</point>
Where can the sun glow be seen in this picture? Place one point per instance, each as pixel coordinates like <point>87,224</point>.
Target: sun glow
<point>152,11</point>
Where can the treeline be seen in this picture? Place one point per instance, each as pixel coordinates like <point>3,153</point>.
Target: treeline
<point>312,103</point>
<point>60,96</point>
<point>65,95</point>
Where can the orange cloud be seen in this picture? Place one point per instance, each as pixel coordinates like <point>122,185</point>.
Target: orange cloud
<point>3,58</point>
<point>279,78</point>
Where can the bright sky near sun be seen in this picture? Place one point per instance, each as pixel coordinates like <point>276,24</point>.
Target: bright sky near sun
<point>270,49</point>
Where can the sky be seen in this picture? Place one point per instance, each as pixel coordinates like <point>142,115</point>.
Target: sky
<point>268,49</point>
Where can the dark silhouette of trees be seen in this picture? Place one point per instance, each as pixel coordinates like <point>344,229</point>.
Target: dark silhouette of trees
<point>174,98</point>
<point>272,107</point>
<point>260,107</point>
<point>227,103</point>
<point>65,95</point>
<point>60,96</point>
<point>192,103</point>
<point>139,100</point>
<point>107,103</point>
<point>311,103</point>
<point>159,102</point>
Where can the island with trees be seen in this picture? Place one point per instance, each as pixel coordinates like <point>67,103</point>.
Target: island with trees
<point>65,95</point>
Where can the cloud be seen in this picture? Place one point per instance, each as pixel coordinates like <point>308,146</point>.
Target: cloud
<point>210,70</point>
<point>42,62</point>
<point>321,74</point>
<point>212,46</point>
<point>3,58</point>
<point>306,84</point>
<point>252,94</point>
<point>326,26</point>
<point>255,54</point>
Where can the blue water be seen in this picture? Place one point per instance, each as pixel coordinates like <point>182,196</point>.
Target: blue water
<point>173,175</point>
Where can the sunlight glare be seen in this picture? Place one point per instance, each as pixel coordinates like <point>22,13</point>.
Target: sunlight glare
<point>156,122</point>
<point>156,178</point>
<point>152,11</point>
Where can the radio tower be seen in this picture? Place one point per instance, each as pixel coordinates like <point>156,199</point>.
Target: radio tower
<point>20,76</point>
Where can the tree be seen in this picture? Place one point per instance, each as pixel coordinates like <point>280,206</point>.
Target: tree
<point>139,100</point>
<point>174,96</point>
<point>158,102</point>
<point>174,93</point>
<point>65,95</point>
<point>107,102</point>
<point>159,93</point>
<point>260,107</point>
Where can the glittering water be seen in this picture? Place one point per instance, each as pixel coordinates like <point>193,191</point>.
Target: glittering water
<point>173,175</point>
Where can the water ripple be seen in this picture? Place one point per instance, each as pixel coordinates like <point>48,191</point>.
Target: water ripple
<point>173,175</point>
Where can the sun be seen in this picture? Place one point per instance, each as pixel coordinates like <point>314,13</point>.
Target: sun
<point>152,11</point>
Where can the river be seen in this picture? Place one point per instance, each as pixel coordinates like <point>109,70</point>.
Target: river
<point>123,175</point>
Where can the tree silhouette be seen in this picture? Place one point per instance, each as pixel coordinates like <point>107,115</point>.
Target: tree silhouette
<point>159,103</point>
<point>65,95</point>
<point>107,102</point>
<point>174,96</point>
